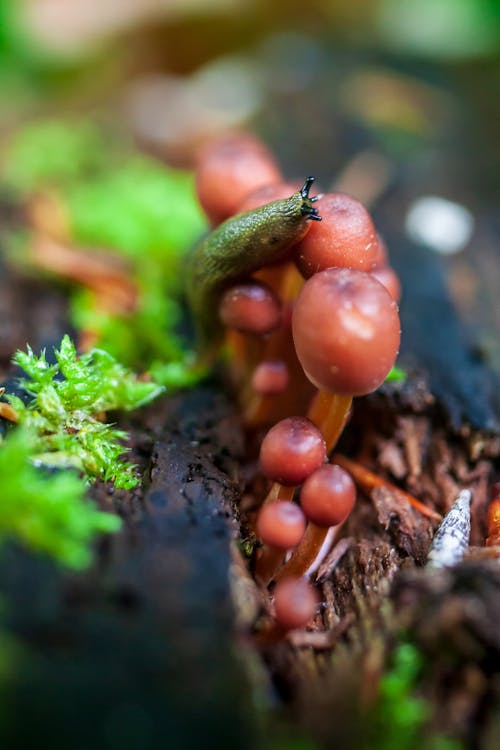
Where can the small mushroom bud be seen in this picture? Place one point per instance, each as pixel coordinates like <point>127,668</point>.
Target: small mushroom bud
<point>267,194</point>
<point>270,377</point>
<point>328,495</point>
<point>295,602</point>
<point>250,308</point>
<point>281,524</point>
<point>389,278</point>
<point>292,450</point>
<point>381,256</point>
<point>228,169</point>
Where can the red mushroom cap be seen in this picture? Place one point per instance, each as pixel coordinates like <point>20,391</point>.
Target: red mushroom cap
<point>381,255</point>
<point>281,524</point>
<point>295,602</point>
<point>328,495</point>
<point>228,169</point>
<point>346,331</point>
<point>345,237</point>
<point>292,450</point>
<point>250,308</point>
<point>267,194</point>
<point>389,278</point>
<point>270,377</point>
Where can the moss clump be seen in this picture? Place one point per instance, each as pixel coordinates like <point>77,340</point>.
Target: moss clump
<point>63,418</point>
<point>399,720</point>
<point>47,512</point>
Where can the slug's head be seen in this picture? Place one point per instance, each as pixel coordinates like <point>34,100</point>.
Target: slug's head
<point>307,208</point>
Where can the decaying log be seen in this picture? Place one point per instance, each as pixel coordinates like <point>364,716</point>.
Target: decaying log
<point>141,651</point>
<point>436,340</point>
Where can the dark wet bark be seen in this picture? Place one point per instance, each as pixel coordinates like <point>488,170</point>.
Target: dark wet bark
<point>141,651</point>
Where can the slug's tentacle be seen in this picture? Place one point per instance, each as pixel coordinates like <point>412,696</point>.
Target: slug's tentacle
<point>237,248</point>
<point>307,209</point>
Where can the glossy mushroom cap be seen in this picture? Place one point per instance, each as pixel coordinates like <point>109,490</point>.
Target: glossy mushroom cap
<point>328,495</point>
<point>381,255</point>
<point>292,450</point>
<point>345,237</point>
<point>250,308</point>
<point>270,377</point>
<point>281,524</point>
<point>346,331</point>
<point>389,278</point>
<point>228,169</point>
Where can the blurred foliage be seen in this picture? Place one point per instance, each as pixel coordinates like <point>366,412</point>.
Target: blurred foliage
<point>399,719</point>
<point>111,197</point>
<point>456,29</point>
<point>32,44</point>
<point>140,208</point>
<point>12,50</point>
<point>25,69</point>
<point>53,153</point>
<point>396,375</point>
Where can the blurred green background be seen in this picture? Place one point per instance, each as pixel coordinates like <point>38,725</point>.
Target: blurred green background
<point>390,100</point>
<point>406,76</point>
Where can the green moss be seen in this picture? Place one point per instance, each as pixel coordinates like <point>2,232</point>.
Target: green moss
<point>112,198</point>
<point>68,398</point>
<point>60,428</point>
<point>399,720</point>
<point>400,714</point>
<point>47,513</point>
<point>396,375</point>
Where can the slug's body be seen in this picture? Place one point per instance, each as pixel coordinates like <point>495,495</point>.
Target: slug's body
<point>237,248</point>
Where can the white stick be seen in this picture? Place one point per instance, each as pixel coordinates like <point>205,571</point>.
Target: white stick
<point>451,540</point>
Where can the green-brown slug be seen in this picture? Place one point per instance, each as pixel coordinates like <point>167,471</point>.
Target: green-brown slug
<point>234,250</point>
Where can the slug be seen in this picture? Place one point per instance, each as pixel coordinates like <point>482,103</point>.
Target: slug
<point>237,248</point>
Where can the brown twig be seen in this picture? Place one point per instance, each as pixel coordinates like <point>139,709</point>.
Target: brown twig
<point>368,481</point>
<point>7,412</point>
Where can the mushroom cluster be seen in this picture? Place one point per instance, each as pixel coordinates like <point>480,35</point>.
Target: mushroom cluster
<point>308,330</point>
